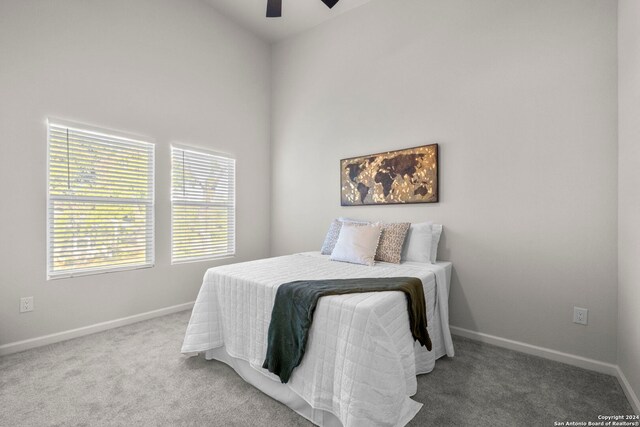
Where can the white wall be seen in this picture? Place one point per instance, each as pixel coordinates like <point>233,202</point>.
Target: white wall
<point>521,96</point>
<point>173,70</point>
<point>629,191</point>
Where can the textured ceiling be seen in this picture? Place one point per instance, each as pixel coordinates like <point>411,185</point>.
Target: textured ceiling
<point>297,15</point>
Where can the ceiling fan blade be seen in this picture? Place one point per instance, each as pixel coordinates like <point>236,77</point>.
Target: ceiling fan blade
<point>274,8</point>
<point>330,3</point>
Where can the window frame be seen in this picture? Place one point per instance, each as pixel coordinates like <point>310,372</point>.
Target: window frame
<point>151,203</point>
<point>233,204</point>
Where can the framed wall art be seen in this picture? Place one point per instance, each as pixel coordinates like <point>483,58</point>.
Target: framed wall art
<point>395,177</point>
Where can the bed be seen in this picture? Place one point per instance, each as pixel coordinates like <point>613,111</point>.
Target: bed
<point>361,361</point>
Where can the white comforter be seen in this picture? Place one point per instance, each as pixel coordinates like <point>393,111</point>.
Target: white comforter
<point>361,360</point>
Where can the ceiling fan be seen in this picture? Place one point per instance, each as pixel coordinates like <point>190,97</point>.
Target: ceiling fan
<point>274,7</point>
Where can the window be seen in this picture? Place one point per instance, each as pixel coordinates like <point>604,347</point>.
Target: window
<point>202,205</point>
<point>100,201</point>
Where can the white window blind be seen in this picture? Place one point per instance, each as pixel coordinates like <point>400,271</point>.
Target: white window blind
<point>100,201</point>
<point>202,205</point>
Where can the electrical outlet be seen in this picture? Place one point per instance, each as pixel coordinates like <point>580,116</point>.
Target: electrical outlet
<point>26,304</point>
<point>580,315</point>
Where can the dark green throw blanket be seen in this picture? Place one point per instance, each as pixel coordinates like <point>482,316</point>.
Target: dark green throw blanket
<point>296,302</point>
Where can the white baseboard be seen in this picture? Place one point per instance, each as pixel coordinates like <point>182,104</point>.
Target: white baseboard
<point>631,395</point>
<point>17,346</point>
<point>558,356</point>
<point>547,353</point>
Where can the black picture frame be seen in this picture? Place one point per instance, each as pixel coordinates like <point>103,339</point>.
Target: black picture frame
<point>397,177</point>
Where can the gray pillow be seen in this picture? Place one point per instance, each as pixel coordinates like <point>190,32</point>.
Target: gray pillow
<point>331,237</point>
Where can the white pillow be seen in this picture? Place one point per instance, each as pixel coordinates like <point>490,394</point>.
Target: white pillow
<point>334,231</point>
<point>418,243</point>
<point>435,239</point>
<point>357,244</point>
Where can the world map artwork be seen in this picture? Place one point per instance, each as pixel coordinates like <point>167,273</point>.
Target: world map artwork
<point>402,176</point>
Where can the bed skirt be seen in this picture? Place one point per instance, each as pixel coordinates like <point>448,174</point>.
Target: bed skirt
<point>278,391</point>
<point>283,393</point>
